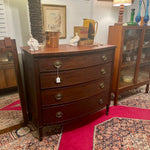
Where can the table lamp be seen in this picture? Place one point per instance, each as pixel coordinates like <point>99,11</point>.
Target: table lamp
<point>121,3</point>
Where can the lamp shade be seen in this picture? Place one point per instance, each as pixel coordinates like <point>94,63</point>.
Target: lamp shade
<point>122,2</point>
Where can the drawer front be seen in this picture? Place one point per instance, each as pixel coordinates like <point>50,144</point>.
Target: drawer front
<point>73,93</point>
<point>71,77</point>
<point>74,110</point>
<point>74,62</point>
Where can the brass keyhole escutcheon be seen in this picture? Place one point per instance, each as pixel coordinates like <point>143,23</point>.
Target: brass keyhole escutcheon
<point>57,64</point>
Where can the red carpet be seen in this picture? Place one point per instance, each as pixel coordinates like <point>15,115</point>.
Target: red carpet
<point>12,106</point>
<point>80,135</point>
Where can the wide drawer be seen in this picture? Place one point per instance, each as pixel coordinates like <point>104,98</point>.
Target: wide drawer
<point>74,110</point>
<point>71,77</point>
<point>74,62</point>
<point>73,93</point>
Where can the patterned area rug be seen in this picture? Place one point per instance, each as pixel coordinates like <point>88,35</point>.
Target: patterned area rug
<point>10,111</point>
<point>26,139</point>
<point>122,134</point>
<point>135,98</point>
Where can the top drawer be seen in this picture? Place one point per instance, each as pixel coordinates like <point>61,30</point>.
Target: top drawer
<point>77,61</point>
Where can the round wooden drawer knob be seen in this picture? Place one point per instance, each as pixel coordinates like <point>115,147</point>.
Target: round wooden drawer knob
<point>101,101</point>
<point>102,85</point>
<point>59,114</point>
<point>58,96</point>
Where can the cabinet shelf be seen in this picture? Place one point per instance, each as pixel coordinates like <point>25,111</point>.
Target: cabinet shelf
<point>124,65</point>
<point>146,46</point>
<point>125,84</point>
<point>131,49</point>
<point>145,62</point>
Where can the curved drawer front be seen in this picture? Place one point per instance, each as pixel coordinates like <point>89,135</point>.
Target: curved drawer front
<point>73,93</point>
<point>71,77</point>
<point>74,110</point>
<point>74,62</point>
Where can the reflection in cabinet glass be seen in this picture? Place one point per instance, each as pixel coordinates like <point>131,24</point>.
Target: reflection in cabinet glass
<point>132,58</point>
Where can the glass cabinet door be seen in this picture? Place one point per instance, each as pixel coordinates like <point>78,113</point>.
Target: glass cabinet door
<point>144,70</point>
<point>129,57</point>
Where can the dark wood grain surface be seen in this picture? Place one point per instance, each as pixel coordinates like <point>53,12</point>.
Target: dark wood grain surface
<point>85,73</point>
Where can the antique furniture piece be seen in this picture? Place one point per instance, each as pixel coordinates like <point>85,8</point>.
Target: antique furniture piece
<point>10,75</point>
<point>7,69</point>
<point>132,58</point>
<point>67,82</point>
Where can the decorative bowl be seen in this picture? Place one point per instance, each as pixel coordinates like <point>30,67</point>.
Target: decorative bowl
<point>127,79</point>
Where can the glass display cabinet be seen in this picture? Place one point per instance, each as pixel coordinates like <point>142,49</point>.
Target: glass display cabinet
<point>132,58</point>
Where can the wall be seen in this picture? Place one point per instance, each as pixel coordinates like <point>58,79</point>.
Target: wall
<point>76,10</point>
<point>18,21</point>
<point>106,14</point>
<point>102,11</point>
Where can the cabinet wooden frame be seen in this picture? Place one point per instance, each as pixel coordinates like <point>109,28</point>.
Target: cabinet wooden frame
<point>116,37</point>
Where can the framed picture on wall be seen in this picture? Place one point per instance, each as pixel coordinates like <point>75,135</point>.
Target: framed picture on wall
<point>54,19</point>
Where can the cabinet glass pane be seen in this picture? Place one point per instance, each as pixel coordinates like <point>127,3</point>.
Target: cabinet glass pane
<point>129,57</point>
<point>6,57</point>
<point>144,70</point>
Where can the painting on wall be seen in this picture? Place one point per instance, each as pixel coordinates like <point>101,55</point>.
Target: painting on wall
<point>54,19</point>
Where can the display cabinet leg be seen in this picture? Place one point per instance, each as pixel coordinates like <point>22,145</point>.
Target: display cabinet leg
<point>107,109</point>
<point>40,134</point>
<point>147,88</point>
<point>116,98</point>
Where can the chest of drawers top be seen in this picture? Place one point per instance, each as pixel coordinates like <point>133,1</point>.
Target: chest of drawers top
<point>65,49</point>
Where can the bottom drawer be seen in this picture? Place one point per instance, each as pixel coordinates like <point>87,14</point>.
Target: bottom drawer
<point>74,110</point>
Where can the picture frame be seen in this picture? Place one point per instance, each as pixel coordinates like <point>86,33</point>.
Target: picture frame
<point>54,19</point>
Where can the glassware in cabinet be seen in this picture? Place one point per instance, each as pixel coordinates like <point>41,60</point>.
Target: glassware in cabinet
<point>144,67</point>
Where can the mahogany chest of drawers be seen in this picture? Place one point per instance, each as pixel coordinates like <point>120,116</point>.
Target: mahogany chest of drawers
<point>83,86</point>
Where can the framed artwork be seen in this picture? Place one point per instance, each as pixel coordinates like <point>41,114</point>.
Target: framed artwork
<point>54,19</point>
